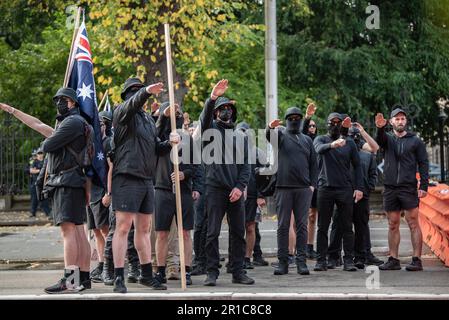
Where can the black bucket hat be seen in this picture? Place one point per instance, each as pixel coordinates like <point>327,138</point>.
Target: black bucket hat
<point>129,83</point>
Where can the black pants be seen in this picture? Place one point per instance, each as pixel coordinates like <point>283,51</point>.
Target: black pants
<point>257,252</point>
<point>342,198</point>
<point>298,201</point>
<point>35,202</point>
<point>217,204</point>
<point>200,233</point>
<point>133,257</point>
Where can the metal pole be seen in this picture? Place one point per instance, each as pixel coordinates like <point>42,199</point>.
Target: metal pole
<point>271,79</point>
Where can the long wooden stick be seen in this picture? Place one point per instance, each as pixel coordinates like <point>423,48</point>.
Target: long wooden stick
<point>72,47</point>
<point>171,94</point>
<point>104,98</point>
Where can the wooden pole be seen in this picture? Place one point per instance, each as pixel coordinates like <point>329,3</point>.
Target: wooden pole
<point>104,98</point>
<point>171,94</point>
<point>72,47</point>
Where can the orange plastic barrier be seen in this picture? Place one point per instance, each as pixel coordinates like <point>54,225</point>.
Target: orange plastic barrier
<point>434,221</point>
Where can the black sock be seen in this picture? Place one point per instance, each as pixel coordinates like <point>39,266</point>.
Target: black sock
<point>84,276</point>
<point>161,270</point>
<point>147,270</point>
<point>119,272</point>
<point>188,269</point>
<point>310,247</point>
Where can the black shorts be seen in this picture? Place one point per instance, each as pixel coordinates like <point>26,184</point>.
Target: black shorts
<point>400,198</point>
<point>313,204</point>
<point>97,215</point>
<point>69,205</point>
<point>166,210</point>
<point>132,194</point>
<point>250,209</point>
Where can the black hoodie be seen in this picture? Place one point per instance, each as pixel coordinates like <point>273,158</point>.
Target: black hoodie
<point>224,176</point>
<point>403,158</point>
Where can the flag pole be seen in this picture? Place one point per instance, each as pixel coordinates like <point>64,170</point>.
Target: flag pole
<point>104,97</point>
<point>171,95</point>
<point>72,47</point>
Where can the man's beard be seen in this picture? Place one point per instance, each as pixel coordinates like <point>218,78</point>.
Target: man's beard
<point>399,128</point>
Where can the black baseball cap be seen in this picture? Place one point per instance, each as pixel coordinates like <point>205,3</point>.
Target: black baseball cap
<point>396,111</point>
<point>334,115</point>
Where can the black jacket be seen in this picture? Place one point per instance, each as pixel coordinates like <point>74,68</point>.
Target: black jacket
<point>222,175</point>
<point>136,144</point>
<point>334,165</point>
<point>297,166</point>
<point>403,158</point>
<point>164,167</point>
<point>69,132</point>
<point>369,172</point>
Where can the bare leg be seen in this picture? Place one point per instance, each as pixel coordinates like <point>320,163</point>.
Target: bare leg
<point>292,237</point>
<point>394,236</point>
<point>187,247</point>
<point>83,249</point>
<point>250,238</point>
<point>120,240</point>
<point>100,242</point>
<point>68,233</point>
<point>411,216</point>
<point>142,225</point>
<point>161,247</point>
<point>311,225</point>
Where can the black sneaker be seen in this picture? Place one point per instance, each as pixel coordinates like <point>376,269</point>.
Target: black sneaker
<point>133,272</point>
<point>119,285</point>
<point>188,279</point>
<point>415,265</point>
<point>391,264</point>
<point>152,282</point>
<point>291,261</point>
<point>96,275</point>
<point>161,277</point>
<point>349,266</point>
<point>260,262</point>
<point>302,269</point>
<point>311,254</point>
<point>198,270</point>
<point>242,278</point>
<point>372,260</point>
<point>61,288</point>
<point>281,269</point>
<point>331,264</point>
<point>359,263</point>
<point>211,280</point>
<point>320,266</point>
<point>87,284</point>
<point>247,264</point>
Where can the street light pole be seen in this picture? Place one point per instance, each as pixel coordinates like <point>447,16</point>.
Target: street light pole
<point>442,117</point>
<point>271,79</point>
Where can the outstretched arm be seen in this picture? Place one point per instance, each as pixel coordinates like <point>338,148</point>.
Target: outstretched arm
<point>30,121</point>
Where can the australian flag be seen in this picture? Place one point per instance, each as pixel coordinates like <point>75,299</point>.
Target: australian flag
<point>82,81</point>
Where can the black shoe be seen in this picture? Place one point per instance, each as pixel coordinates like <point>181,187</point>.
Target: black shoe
<point>161,277</point>
<point>247,264</point>
<point>281,269</point>
<point>152,282</point>
<point>331,264</point>
<point>259,262</point>
<point>96,275</point>
<point>61,287</point>
<point>372,260</point>
<point>87,284</point>
<point>133,272</point>
<point>339,262</point>
<point>119,285</point>
<point>211,280</point>
<point>320,266</point>
<point>311,254</point>
<point>242,278</point>
<point>302,269</point>
<point>391,264</point>
<point>415,265</point>
<point>291,261</point>
<point>198,270</point>
<point>349,266</point>
<point>188,279</point>
<point>359,263</point>
<point>108,272</point>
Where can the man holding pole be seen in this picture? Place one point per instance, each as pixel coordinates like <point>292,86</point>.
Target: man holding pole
<point>136,150</point>
<point>225,183</point>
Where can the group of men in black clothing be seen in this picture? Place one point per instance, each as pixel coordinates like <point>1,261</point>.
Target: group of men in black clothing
<point>329,176</point>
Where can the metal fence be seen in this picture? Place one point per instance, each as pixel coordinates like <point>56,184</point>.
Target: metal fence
<point>17,142</point>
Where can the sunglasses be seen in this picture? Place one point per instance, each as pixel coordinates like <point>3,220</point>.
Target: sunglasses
<point>312,126</point>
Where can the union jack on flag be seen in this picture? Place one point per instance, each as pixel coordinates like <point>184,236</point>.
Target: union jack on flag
<point>82,81</point>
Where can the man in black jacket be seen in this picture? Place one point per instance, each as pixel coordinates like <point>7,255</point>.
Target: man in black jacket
<point>136,149</point>
<point>404,153</point>
<point>165,209</point>
<point>295,183</point>
<point>226,179</point>
<point>335,157</point>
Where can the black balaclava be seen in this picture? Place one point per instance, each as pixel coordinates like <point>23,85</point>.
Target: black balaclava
<point>62,106</point>
<point>334,131</point>
<point>293,126</point>
<point>355,134</point>
<point>224,114</point>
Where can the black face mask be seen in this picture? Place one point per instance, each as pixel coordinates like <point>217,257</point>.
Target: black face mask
<point>63,107</point>
<point>225,115</point>
<point>334,131</point>
<point>179,122</point>
<point>293,126</point>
